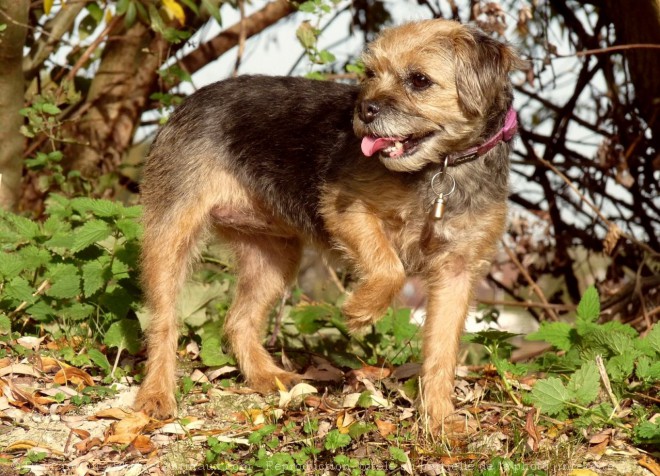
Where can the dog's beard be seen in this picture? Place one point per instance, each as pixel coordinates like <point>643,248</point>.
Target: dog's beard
<point>403,143</point>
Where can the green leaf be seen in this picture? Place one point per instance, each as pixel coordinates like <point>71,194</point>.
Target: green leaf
<point>27,228</point>
<point>653,338</point>
<point>550,395</point>
<point>130,228</point>
<point>65,281</point>
<point>306,34</point>
<point>620,367</point>
<point>124,334</point>
<point>335,440</point>
<point>51,109</point>
<point>212,7</point>
<point>131,212</point>
<point>77,311</point>
<point>100,208</point>
<point>5,324</point>
<point>41,311</point>
<point>11,265</point>
<point>647,433</point>
<point>61,242</point>
<point>19,290</point>
<point>647,370</point>
<point>365,401</point>
<point>398,455</point>
<point>257,436</point>
<point>327,57</point>
<point>589,308</point>
<point>212,354</point>
<point>585,384</point>
<point>309,318</point>
<point>131,14</point>
<point>559,334</point>
<point>34,257</point>
<point>91,232</point>
<point>307,7</point>
<point>95,11</point>
<point>94,275</point>
<point>100,359</point>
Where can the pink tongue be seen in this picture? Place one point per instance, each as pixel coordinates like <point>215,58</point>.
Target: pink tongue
<point>371,145</point>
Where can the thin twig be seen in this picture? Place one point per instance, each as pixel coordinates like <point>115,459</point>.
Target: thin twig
<point>548,309</point>
<point>606,383</point>
<point>609,49</point>
<point>278,319</point>
<point>595,209</point>
<point>335,278</point>
<point>540,305</point>
<point>241,38</point>
<point>24,304</point>
<point>91,48</point>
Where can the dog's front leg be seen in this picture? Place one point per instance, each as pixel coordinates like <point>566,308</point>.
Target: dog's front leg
<point>361,236</point>
<point>449,286</point>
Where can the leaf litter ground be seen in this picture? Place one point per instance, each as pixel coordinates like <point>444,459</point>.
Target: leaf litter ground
<point>60,419</point>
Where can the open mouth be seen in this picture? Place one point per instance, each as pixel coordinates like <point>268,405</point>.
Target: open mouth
<point>392,147</point>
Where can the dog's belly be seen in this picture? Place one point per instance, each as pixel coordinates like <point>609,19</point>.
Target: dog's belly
<point>284,138</point>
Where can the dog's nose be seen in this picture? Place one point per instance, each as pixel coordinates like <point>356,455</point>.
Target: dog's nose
<point>368,111</point>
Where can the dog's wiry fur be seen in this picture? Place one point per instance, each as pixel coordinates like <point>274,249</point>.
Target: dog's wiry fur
<point>270,164</point>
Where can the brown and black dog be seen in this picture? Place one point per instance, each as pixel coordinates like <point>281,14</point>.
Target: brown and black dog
<point>405,174</point>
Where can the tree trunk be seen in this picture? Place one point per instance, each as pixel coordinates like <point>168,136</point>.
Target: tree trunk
<point>14,13</point>
<point>638,21</point>
<point>117,96</point>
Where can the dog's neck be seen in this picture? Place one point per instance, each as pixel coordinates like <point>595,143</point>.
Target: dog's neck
<point>505,134</point>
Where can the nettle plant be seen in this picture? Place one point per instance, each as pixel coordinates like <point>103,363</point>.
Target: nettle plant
<point>75,273</point>
<point>595,368</point>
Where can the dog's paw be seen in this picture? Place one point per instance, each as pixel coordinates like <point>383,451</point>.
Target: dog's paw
<point>158,405</point>
<point>358,314</point>
<point>435,412</point>
<point>269,383</point>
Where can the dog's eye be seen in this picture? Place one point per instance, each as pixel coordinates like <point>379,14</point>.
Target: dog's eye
<point>419,81</point>
<point>369,73</point>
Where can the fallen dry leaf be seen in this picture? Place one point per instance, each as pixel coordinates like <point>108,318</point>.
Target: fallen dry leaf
<point>532,431</point>
<point>367,372</point>
<point>406,371</point>
<point>385,427</point>
<point>87,444</point>
<point>199,377</point>
<point>76,376</point>
<point>650,464</point>
<point>227,369</point>
<point>22,369</point>
<point>132,424</point>
<point>344,422</point>
<point>605,435</point>
<point>116,413</point>
<point>296,394</point>
<point>82,434</point>
<point>30,342</point>
<point>143,444</point>
<point>323,371</point>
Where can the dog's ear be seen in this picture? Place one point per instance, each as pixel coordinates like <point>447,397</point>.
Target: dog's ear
<point>482,65</point>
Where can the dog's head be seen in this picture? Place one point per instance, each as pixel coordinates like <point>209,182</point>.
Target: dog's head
<point>431,89</point>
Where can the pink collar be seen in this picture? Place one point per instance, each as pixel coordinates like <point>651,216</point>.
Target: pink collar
<point>504,135</point>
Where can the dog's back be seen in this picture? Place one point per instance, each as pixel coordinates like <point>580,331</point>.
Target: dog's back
<point>257,128</point>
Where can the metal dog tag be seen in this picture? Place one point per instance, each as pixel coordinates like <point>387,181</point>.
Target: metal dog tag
<point>438,207</point>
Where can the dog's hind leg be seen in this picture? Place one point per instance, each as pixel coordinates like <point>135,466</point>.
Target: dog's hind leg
<point>169,245</point>
<point>266,265</point>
